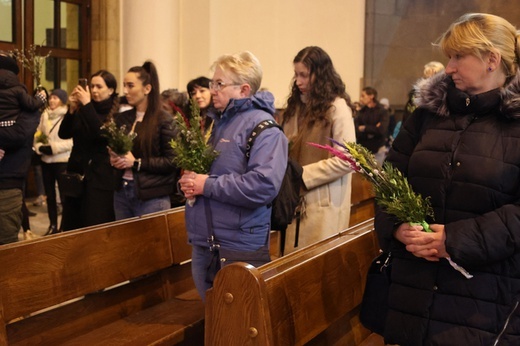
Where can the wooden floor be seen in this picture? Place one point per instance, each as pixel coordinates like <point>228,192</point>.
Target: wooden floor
<point>373,340</point>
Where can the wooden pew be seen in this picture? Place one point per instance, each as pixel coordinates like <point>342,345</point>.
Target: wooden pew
<point>126,282</point>
<point>311,296</point>
<point>122,283</point>
<point>362,200</point>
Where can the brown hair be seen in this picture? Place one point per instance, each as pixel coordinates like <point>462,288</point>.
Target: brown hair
<point>325,87</point>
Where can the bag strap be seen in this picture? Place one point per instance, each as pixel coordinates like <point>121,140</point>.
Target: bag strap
<point>212,241</point>
<point>264,125</point>
<point>56,123</point>
<point>213,245</point>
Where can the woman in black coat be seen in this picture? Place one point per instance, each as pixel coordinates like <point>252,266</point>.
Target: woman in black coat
<point>461,147</point>
<point>90,108</point>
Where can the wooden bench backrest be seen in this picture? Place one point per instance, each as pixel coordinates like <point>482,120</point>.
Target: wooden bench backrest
<point>292,299</point>
<point>361,189</point>
<point>55,269</point>
<point>362,201</point>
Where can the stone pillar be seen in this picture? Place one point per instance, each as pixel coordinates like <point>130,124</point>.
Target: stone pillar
<point>106,37</point>
<point>152,33</point>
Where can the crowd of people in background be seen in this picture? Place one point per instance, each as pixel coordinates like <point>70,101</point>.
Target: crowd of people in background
<point>69,141</point>
<point>455,142</point>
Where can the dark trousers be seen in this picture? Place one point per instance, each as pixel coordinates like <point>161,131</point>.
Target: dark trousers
<point>51,172</point>
<point>94,207</point>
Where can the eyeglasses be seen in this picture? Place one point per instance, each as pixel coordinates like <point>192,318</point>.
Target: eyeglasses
<point>217,86</point>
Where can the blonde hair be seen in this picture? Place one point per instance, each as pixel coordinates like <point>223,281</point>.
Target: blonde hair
<point>480,33</point>
<point>242,68</point>
<point>432,68</point>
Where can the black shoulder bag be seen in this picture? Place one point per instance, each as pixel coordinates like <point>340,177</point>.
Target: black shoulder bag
<point>374,306</point>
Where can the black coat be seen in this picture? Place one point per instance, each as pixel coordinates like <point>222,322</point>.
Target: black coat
<point>89,154</point>
<point>464,152</point>
<point>14,97</point>
<point>157,175</point>
<point>376,122</point>
<point>90,158</point>
<point>17,141</point>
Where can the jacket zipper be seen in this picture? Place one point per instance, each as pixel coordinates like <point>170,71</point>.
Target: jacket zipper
<point>506,324</point>
<point>454,153</point>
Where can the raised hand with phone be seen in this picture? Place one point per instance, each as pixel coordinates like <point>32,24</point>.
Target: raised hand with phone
<point>80,95</point>
<point>83,83</point>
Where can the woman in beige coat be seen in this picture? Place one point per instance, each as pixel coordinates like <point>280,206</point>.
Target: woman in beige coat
<point>317,110</point>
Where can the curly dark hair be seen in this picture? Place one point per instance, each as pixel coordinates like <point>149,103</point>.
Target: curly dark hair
<point>326,85</point>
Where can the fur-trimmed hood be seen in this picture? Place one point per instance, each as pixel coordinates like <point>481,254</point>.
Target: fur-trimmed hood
<point>432,94</point>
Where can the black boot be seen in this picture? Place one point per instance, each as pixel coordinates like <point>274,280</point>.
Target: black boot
<point>52,230</point>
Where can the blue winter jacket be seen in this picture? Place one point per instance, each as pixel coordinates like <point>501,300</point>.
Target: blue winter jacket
<point>238,191</point>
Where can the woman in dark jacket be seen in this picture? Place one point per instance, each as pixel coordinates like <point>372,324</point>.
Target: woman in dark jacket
<point>199,92</point>
<point>461,147</point>
<point>89,109</point>
<point>147,172</point>
<point>371,123</point>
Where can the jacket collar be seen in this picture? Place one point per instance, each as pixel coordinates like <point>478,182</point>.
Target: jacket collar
<point>263,100</point>
<point>439,95</point>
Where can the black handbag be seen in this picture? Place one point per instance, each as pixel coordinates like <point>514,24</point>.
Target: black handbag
<point>71,184</point>
<point>255,258</point>
<point>374,305</point>
<point>222,257</point>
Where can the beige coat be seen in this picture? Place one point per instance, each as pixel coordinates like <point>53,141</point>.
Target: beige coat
<point>328,184</point>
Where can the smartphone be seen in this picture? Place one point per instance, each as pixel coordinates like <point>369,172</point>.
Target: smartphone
<point>83,82</point>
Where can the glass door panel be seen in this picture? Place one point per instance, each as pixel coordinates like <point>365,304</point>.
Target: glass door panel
<point>44,23</point>
<point>70,26</point>
<point>6,20</point>
<point>61,73</point>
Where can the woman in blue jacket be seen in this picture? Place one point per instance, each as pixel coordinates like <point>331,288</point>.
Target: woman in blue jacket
<point>233,200</point>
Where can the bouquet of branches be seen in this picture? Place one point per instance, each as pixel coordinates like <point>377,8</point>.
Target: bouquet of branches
<point>392,190</point>
<point>31,60</point>
<point>41,137</point>
<point>192,152</point>
<point>119,139</point>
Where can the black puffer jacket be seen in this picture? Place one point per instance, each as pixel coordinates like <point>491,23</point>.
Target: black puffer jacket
<point>158,173</point>
<point>14,97</point>
<point>464,152</point>
<point>17,142</point>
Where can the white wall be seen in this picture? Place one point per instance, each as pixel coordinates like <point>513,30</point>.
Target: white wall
<point>184,37</point>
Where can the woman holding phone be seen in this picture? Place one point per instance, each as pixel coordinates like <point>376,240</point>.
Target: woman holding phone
<point>90,107</point>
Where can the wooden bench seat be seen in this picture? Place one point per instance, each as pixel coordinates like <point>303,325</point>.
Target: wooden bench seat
<point>158,325</point>
<point>122,283</point>
<point>311,296</point>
